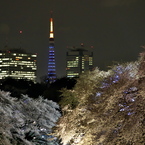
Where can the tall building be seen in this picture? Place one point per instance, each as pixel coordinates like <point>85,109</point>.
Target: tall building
<point>51,60</point>
<point>18,64</point>
<point>78,61</point>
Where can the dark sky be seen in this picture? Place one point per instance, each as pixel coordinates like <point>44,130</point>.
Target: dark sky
<point>116,28</point>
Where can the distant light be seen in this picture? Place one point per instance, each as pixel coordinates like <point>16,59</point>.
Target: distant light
<point>21,32</point>
<point>82,44</point>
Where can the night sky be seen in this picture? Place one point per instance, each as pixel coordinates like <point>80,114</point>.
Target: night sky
<point>116,29</point>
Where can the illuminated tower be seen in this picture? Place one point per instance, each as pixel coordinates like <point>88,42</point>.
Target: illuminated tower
<point>51,60</point>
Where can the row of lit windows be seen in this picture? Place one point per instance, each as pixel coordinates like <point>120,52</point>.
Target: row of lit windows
<point>5,58</point>
<point>16,77</point>
<point>33,78</point>
<point>4,65</point>
<point>31,66</point>
<point>24,62</point>
<point>72,74</point>
<point>72,63</point>
<point>18,57</point>
<point>15,64</point>
<point>22,75</point>
<point>19,72</point>
<point>24,72</point>
<point>33,55</point>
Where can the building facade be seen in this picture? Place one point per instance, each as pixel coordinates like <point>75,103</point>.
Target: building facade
<point>78,60</point>
<point>18,64</point>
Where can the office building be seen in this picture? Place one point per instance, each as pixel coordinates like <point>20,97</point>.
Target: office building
<point>78,61</point>
<point>18,64</point>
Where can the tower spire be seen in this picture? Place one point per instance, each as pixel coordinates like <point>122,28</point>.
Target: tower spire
<point>51,12</point>
<point>51,26</point>
<point>51,59</point>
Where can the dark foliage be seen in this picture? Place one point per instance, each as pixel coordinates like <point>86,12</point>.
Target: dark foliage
<point>34,90</point>
<point>53,91</point>
<point>22,86</point>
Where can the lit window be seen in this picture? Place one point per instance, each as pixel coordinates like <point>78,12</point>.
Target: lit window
<point>33,55</point>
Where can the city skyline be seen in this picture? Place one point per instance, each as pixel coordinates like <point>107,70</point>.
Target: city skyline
<point>116,29</point>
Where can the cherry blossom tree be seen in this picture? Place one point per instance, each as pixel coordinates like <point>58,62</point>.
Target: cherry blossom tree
<point>27,121</point>
<point>110,109</point>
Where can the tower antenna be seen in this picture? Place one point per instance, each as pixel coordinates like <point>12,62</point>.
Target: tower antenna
<point>51,12</point>
<point>6,43</point>
<point>20,38</point>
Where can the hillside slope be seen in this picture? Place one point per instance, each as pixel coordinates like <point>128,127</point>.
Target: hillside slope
<point>110,109</point>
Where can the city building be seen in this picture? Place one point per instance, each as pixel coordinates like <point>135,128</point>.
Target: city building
<point>51,59</point>
<point>18,64</point>
<point>78,60</point>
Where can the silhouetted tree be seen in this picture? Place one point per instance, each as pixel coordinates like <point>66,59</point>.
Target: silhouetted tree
<point>17,87</point>
<point>53,92</point>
